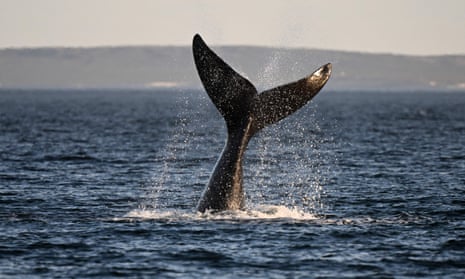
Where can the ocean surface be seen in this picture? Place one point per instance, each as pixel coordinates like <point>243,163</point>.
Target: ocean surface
<point>104,184</point>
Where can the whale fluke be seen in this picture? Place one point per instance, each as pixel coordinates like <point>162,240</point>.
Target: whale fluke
<point>246,112</point>
<point>275,104</point>
<point>231,93</point>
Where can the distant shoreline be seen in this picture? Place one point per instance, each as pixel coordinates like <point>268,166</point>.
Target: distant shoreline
<point>188,90</point>
<point>172,67</point>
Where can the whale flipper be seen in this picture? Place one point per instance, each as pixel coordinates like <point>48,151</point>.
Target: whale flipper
<point>245,112</point>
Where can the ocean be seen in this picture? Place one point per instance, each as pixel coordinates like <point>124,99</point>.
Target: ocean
<point>104,184</point>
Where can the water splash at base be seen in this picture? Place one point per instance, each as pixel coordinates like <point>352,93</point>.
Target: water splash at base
<point>265,213</point>
<point>261,212</point>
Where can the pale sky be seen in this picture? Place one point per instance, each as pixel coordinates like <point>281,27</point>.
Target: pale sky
<point>418,27</point>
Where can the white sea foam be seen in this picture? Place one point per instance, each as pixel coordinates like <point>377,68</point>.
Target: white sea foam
<point>265,213</point>
<point>261,212</point>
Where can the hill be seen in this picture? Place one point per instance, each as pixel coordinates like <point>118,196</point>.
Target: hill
<point>143,67</point>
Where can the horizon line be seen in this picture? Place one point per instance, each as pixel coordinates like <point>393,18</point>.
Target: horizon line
<point>224,46</point>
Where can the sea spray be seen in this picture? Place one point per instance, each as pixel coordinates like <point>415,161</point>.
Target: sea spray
<point>293,144</point>
<point>171,158</point>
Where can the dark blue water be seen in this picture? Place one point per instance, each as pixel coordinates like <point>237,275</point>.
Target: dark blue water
<point>104,184</point>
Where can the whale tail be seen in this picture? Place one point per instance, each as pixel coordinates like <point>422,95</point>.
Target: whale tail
<point>237,99</point>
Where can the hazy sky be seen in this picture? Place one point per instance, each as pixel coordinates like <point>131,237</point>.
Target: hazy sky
<point>394,26</point>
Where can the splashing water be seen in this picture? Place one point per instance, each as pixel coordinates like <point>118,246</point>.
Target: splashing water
<point>174,154</point>
<point>259,212</point>
<point>280,149</point>
<point>291,144</point>
<point>198,137</point>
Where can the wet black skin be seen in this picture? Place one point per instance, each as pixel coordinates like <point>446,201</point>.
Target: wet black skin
<point>246,112</point>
